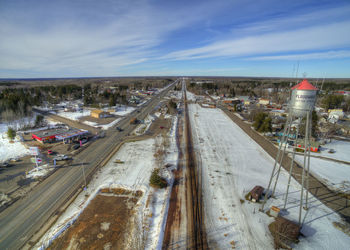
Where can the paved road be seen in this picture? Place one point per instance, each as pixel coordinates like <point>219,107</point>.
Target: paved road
<point>23,219</point>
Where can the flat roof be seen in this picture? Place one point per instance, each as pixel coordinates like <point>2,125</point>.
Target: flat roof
<point>60,132</point>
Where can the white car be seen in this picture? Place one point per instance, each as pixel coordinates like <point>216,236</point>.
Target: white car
<point>61,157</point>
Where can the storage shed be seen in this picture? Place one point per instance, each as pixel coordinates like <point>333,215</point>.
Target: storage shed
<point>256,193</point>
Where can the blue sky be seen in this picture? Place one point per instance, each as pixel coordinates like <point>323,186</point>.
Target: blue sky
<point>87,38</point>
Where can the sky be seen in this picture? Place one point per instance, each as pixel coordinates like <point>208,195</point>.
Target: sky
<point>89,38</point>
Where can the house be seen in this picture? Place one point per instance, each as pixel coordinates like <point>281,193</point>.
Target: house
<point>256,193</point>
<point>97,113</point>
<point>231,101</point>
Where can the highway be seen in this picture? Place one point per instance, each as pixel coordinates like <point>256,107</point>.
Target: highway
<point>20,221</point>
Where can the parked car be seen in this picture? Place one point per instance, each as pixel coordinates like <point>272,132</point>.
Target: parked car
<point>76,146</point>
<point>83,141</point>
<point>50,152</point>
<point>332,151</point>
<point>119,129</point>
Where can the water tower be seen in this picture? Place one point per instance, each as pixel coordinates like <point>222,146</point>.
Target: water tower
<point>301,105</point>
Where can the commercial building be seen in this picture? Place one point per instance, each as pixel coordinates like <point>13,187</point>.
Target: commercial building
<point>58,134</point>
<point>97,113</point>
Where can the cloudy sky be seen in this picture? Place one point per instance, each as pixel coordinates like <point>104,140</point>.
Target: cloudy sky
<point>87,38</point>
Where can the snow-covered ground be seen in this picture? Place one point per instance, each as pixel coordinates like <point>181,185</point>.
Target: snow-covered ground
<point>142,128</point>
<point>123,110</point>
<point>190,96</point>
<point>104,126</point>
<point>232,164</point>
<point>74,115</point>
<point>134,173</point>
<point>333,174</point>
<point>39,171</point>
<point>341,148</point>
<point>13,149</point>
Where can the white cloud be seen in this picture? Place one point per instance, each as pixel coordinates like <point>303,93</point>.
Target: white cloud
<point>92,42</point>
<point>306,56</point>
<point>329,36</point>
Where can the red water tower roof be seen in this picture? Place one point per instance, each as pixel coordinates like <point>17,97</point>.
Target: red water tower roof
<point>304,85</point>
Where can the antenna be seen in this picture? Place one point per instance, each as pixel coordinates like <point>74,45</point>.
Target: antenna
<point>296,74</point>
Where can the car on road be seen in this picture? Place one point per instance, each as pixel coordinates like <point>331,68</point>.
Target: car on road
<point>119,129</point>
<point>5,165</point>
<point>50,152</point>
<point>61,157</point>
<point>76,146</point>
<point>161,127</point>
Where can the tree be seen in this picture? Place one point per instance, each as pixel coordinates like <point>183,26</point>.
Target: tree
<point>11,133</point>
<point>112,101</point>
<point>39,120</point>
<point>262,122</point>
<point>332,101</point>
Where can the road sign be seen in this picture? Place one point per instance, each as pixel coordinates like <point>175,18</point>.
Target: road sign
<point>34,150</point>
<point>36,160</point>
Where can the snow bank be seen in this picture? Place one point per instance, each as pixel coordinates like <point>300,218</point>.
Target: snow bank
<point>40,171</point>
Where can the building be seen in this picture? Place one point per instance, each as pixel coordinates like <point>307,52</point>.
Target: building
<point>58,134</point>
<point>314,145</point>
<point>274,211</point>
<point>97,113</point>
<point>264,102</point>
<point>231,101</point>
<point>256,193</point>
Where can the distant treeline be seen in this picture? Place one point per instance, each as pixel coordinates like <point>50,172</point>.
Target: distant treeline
<point>8,84</point>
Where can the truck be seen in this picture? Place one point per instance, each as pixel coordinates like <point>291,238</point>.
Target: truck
<point>133,120</point>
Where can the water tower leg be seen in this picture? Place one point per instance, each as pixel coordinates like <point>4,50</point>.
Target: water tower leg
<point>303,173</point>
<point>292,164</point>
<point>281,160</point>
<point>275,164</point>
<point>308,164</point>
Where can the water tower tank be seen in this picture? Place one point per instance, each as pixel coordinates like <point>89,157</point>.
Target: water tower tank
<point>303,98</point>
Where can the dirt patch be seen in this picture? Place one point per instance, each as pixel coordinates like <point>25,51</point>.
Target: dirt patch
<point>105,224</point>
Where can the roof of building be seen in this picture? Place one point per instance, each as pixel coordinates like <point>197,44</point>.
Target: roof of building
<point>60,133</point>
<point>304,85</point>
<point>98,111</point>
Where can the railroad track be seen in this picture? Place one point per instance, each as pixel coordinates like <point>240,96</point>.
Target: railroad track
<point>194,182</point>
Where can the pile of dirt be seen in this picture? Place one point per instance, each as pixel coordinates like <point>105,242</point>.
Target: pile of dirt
<point>105,224</point>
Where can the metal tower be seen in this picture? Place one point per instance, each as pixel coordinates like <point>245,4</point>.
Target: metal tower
<point>301,105</point>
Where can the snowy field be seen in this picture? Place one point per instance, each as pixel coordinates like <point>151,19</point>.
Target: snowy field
<point>74,115</point>
<point>342,150</point>
<point>123,110</point>
<point>232,164</point>
<point>333,174</point>
<point>134,173</point>
<point>16,149</point>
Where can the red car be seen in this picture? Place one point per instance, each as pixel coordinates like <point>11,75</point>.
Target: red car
<point>50,152</point>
